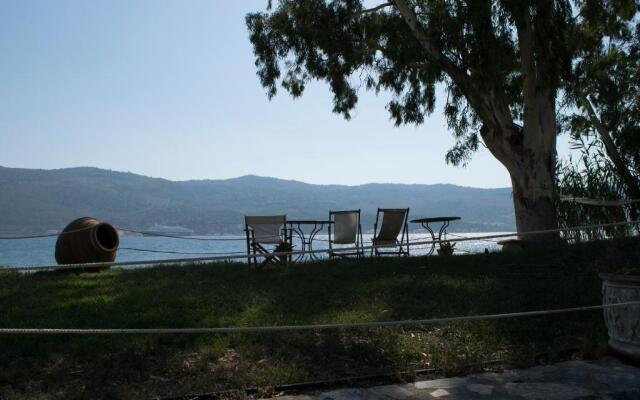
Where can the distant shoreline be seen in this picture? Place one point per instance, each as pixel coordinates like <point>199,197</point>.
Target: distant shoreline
<point>40,200</point>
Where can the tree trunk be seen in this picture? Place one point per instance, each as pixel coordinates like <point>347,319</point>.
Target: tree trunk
<point>534,205</point>
<point>529,154</point>
<point>533,168</point>
<point>532,171</point>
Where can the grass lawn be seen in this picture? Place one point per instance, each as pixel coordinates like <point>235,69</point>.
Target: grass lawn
<point>216,295</point>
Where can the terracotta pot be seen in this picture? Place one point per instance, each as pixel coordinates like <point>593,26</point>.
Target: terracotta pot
<point>623,323</point>
<point>91,241</point>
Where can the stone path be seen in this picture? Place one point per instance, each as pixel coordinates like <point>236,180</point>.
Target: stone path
<point>604,379</point>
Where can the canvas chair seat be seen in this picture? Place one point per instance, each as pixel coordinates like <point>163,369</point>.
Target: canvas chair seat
<point>266,229</point>
<point>393,231</point>
<point>346,231</point>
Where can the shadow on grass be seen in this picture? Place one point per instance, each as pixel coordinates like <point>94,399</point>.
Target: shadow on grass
<point>326,292</point>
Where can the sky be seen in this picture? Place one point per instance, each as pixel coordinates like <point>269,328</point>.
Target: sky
<point>169,89</point>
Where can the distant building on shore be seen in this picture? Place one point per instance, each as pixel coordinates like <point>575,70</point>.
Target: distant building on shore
<point>169,230</point>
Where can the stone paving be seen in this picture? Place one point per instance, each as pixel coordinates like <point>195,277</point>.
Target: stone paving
<point>604,379</point>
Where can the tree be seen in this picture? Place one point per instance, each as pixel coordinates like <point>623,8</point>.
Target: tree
<point>604,93</point>
<point>502,63</point>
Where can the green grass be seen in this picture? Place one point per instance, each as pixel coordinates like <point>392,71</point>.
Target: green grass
<point>134,366</point>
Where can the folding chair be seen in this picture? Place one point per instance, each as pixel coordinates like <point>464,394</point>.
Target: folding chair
<point>346,231</point>
<point>264,231</point>
<point>394,224</point>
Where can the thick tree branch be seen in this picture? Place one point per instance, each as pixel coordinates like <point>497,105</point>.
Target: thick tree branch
<point>457,74</point>
<point>610,147</point>
<point>525,41</point>
<point>527,57</point>
<point>538,98</point>
<point>376,8</point>
<point>494,114</point>
<point>412,21</point>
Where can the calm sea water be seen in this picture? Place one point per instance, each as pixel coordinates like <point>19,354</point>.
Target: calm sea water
<point>41,251</point>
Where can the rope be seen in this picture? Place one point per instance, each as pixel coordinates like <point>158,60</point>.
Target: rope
<point>179,252</point>
<point>480,240</point>
<point>146,233</point>
<point>208,239</point>
<point>598,202</point>
<point>290,328</point>
<point>296,253</point>
<point>120,229</point>
<point>45,235</point>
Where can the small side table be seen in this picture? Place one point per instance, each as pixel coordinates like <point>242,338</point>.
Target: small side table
<point>307,241</point>
<point>445,221</point>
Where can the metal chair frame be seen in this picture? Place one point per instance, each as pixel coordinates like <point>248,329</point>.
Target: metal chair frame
<point>402,244</point>
<point>359,251</point>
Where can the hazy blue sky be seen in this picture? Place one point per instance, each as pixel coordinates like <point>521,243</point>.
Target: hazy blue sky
<point>168,89</point>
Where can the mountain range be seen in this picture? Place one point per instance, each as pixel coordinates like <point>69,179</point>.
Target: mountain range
<point>34,201</point>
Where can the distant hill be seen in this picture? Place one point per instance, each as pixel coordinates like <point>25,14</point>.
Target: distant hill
<point>39,200</point>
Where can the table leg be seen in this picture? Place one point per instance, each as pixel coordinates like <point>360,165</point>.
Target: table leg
<point>433,238</point>
<point>443,229</point>
<point>300,233</point>
<point>312,235</point>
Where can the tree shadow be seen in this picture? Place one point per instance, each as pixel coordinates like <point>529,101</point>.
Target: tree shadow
<point>221,295</point>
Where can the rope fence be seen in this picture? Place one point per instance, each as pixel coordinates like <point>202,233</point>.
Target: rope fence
<point>477,238</point>
<point>181,252</point>
<point>144,233</point>
<point>44,235</point>
<point>305,327</point>
<point>297,328</point>
<point>598,202</point>
<point>204,239</point>
<point>231,256</point>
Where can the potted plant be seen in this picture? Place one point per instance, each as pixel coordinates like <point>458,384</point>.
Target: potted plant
<point>623,322</point>
<point>446,248</point>
<point>283,247</point>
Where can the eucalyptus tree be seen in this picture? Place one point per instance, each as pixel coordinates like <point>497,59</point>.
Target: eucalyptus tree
<point>604,92</point>
<point>502,63</point>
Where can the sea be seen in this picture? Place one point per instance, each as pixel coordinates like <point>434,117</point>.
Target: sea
<point>40,251</point>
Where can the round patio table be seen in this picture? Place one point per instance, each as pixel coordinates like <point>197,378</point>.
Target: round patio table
<point>434,220</point>
<point>297,225</point>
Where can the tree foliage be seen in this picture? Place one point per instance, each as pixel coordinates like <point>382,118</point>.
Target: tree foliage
<point>590,175</point>
<point>351,48</point>
<point>603,114</point>
<point>605,84</point>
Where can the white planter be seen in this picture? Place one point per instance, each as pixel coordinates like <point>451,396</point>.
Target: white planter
<point>623,323</point>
